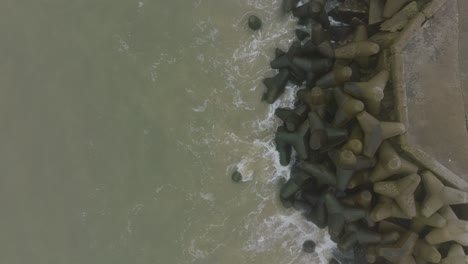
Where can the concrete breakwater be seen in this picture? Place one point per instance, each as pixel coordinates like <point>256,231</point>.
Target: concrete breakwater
<point>348,172</point>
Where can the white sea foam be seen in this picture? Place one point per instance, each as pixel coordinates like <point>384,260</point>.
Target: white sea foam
<point>267,228</point>
<point>270,230</point>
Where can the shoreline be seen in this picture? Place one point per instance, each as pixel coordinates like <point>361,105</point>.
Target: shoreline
<point>337,139</point>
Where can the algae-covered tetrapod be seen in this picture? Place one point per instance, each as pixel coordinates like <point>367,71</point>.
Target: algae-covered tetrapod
<point>361,126</point>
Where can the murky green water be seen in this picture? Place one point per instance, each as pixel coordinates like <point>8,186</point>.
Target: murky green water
<point>122,121</point>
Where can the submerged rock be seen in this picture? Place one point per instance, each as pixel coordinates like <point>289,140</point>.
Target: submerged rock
<point>254,22</point>
<point>309,246</point>
<point>236,176</point>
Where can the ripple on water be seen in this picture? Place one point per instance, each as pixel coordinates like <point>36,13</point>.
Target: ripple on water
<point>269,232</point>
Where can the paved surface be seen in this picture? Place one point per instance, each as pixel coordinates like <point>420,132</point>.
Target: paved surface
<point>463,50</point>
<point>435,75</point>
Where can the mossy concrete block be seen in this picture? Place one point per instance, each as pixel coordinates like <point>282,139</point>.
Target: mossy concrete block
<point>428,59</point>
<point>408,33</point>
<point>432,7</point>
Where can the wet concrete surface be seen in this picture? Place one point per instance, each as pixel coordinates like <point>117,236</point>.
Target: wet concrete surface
<point>463,51</point>
<point>435,62</point>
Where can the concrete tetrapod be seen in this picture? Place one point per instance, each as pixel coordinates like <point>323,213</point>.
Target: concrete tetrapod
<point>346,164</point>
<point>354,142</point>
<point>275,86</point>
<point>294,184</point>
<point>348,107</point>
<point>318,215</point>
<point>386,226</point>
<point>376,8</point>
<point>360,34</point>
<point>456,255</point>
<point>312,65</point>
<point>301,34</point>
<point>426,252</point>
<point>357,234</point>
<point>384,39</point>
<point>312,68</point>
<point>393,6</point>
<point>318,33</point>
<point>283,61</point>
<point>315,98</point>
<point>322,137</point>
<point>397,251</point>
<point>455,230</point>
<point>345,11</point>
<point>401,191</point>
<point>291,118</point>
<point>358,179</point>
<point>298,140</point>
<point>390,163</point>
<point>319,172</point>
<point>408,260</point>
<point>400,19</point>
<point>284,148</point>
<point>361,199</point>
<point>439,195</point>
<point>339,215</point>
<point>317,44</point>
<point>387,208</point>
<point>335,77</point>
<point>419,222</point>
<point>296,75</point>
<point>312,9</point>
<point>358,49</point>
<point>375,132</point>
<point>371,92</point>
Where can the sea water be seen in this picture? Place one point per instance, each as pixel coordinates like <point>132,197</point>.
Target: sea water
<point>122,121</point>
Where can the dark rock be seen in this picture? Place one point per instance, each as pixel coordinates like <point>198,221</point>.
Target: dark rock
<point>309,246</point>
<point>236,176</point>
<point>254,22</point>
